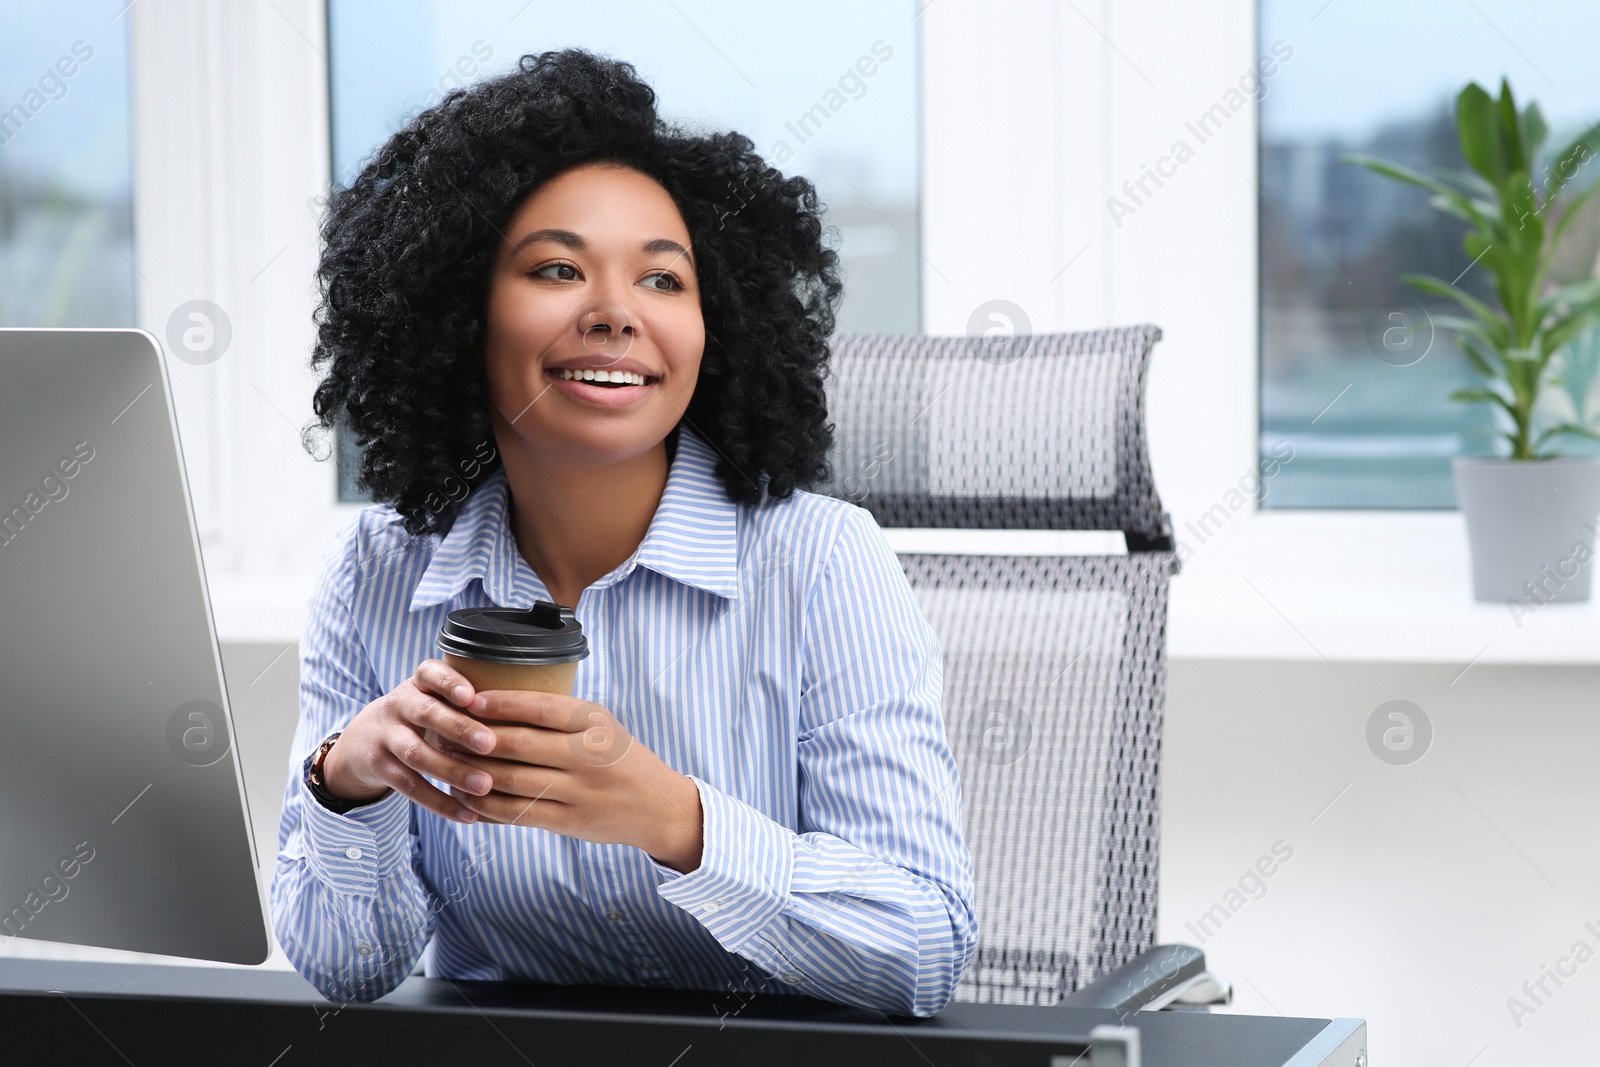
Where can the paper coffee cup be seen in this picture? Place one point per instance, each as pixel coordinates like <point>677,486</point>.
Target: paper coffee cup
<point>537,650</point>
<point>530,677</point>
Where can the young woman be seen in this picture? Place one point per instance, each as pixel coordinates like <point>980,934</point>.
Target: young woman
<point>750,789</point>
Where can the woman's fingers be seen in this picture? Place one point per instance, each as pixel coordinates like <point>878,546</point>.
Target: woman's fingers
<point>525,806</point>
<point>426,711</point>
<point>415,753</point>
<point>403,779</point>
<point>413,758</point>
<point>440,691</point>
<point>515,779</point>
<point>430,736</point>
<point>441,744</point>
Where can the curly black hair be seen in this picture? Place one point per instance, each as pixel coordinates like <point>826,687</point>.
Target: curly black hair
<point>405,267</point>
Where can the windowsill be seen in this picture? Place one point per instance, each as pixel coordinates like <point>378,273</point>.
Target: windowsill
<point>1373,586</point>
<point>1358,585</point>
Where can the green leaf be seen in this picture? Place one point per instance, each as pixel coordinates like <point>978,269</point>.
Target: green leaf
<point>1577,298</point>
<point>1489,395</point>
<point>1439,287</point>
<point>1569,211</point>
<point>1518,273</point>
<point>1511,129</point>
<point>1472,329</point>
<point>1469,181</point>
<point>1478,246</point>
<point>1571,159</point>
<point>1534,131</point>
<point>1566,328</point>
<point>1455,206</point>
<point>1478,129</point>
<point>1462,325</point>
<point>1566,428</point>
<point>1580,365</point>
<point>1477,355</point>
<point>1464,206</point>
<point>1523,373</point>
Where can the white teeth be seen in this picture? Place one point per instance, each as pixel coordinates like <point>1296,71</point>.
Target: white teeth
<point>626,377</point>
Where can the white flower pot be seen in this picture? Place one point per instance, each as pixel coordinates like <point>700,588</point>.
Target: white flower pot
<point>1530,526</point>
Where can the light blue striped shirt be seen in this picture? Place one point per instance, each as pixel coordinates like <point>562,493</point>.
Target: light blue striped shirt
<point>774,654</point>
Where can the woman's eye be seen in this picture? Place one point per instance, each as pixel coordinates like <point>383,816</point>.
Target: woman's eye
<point>564,272</point>
<point>663,280</point>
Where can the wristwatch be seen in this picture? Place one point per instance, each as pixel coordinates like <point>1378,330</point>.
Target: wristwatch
<point>315,783</point>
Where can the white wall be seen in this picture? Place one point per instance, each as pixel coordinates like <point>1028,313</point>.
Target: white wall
<point>1424,896</point>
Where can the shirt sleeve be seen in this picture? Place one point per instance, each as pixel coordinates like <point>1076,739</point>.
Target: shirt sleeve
<point>348,902</point>
<point>871,902</point>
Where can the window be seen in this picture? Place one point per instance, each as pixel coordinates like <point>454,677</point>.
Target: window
<point>794,85</point>
<point>1367,424</point>
<point>66,219</point>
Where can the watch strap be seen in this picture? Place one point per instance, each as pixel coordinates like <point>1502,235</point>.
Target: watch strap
<point>314,780</point>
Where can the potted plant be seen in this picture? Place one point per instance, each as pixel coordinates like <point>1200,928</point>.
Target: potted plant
<point>1530,514</point>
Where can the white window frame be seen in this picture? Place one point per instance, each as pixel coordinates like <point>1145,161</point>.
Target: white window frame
<point>1033,115</point>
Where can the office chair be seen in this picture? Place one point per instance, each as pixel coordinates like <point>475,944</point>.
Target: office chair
<point>1054,666</point>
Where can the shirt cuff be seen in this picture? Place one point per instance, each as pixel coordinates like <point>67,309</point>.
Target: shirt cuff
<point>350,852</point>
<point>746,865</point>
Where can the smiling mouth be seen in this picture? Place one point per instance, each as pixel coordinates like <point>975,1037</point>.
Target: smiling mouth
<point>603,379</point>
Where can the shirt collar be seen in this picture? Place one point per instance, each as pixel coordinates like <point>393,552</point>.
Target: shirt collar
<point>692,538</point>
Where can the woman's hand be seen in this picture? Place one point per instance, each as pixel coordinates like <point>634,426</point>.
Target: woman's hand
<point>568,766</point>
<point>388,745</point>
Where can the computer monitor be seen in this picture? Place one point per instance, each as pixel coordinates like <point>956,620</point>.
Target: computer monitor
<point>123,817</point>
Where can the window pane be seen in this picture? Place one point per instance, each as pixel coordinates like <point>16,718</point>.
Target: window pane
<point>790,84</point>
<point>66,219</point>
<point>1349,381</point>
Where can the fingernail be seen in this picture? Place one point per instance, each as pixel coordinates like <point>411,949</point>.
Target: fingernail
<point>467,815</point>
<point>461,693</point>
<point>480,702</point>
<point>483,740</point>
<point>478,782</point>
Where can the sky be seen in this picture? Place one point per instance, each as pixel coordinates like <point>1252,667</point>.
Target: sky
<point>1359,63</point>
<point>81,139</point>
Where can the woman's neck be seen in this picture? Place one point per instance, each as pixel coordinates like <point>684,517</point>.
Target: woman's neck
<point>575,524</point>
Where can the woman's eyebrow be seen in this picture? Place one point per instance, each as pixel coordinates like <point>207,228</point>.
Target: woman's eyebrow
<point>561,237</point>
<point>667,244</point>
<point>577,243</point>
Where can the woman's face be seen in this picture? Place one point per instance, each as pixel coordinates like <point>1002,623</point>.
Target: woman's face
<point>595,274</point>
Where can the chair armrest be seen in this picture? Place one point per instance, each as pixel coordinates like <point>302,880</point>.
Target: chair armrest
<point>1149,981</point>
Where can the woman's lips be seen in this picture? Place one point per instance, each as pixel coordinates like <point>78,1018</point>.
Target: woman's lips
<point>609,396</point>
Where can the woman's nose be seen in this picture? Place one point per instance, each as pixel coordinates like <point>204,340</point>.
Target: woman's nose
<point>605,329</point>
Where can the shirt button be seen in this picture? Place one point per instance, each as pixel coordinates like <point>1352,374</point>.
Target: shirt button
<point>353,852</point>
<point>613,914</point>
<point>647,965</point>
<point>363,948</point>
<point>792,978</point>
<point>710,906</point>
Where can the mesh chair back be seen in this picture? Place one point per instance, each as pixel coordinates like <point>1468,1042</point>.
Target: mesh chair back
<point>1034,432</point>
<point>1054,666</point>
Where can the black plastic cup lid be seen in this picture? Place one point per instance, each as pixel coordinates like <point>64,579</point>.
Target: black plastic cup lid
<point>545,633</point>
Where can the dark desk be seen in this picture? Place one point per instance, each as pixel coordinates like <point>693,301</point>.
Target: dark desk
<point>87,1014</point>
